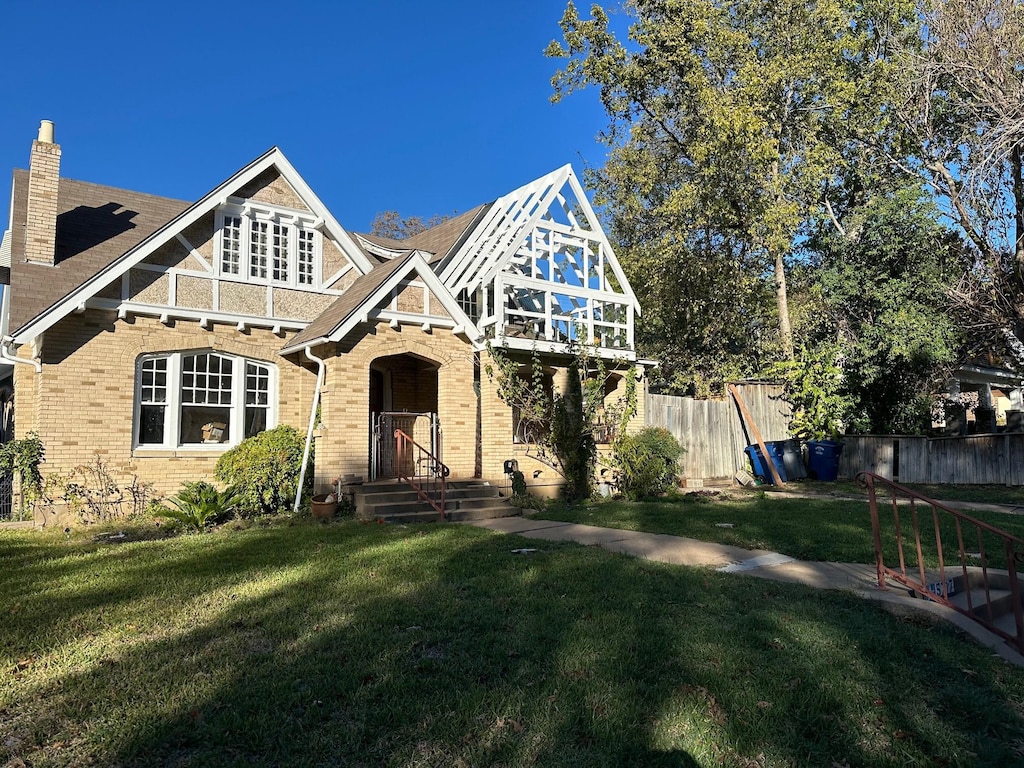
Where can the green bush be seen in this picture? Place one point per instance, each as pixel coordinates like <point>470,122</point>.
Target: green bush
<point>648,462</point>
<point>199,504</point>
<point>264,469</point>
<point>572,437</point>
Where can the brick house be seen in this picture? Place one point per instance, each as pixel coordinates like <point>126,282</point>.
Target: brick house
<point>157,333</point>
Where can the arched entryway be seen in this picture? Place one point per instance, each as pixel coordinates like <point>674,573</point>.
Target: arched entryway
<point>403,395</point>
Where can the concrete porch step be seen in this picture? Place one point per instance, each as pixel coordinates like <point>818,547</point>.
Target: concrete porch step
<point>465,499</point>
<point>1001,601</point>
<point>397,495</point>
<point>504,509</point>
<point>414,504</point>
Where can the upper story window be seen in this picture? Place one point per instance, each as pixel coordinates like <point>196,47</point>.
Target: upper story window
<point>268,245</point>
<point>202,399</point>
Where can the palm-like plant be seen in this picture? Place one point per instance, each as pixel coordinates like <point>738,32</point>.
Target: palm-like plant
<point>200,504</point>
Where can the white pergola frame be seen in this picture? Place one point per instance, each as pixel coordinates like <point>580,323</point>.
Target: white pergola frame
<point>543,283</point>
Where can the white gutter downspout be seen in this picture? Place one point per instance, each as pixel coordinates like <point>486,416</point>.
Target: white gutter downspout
<point>10,357</point>
<point>309,430</point>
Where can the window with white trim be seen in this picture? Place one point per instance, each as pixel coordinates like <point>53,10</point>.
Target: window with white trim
<point>202,399</point>
<point>268,245</point>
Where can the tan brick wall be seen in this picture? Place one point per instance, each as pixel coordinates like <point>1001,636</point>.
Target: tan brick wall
<point>498,444</point>
<point>344,447</point>
<point>83,402</point>
<point>41,223</point>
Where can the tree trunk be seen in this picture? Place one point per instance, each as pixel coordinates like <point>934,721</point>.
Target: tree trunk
<point>1018,213</point>
<point>782,301</point>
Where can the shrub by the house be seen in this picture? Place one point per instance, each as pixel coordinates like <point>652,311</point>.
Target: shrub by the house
<point>648,462</point>
<point>264,470</point>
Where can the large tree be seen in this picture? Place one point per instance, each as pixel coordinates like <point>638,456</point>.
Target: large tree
<point>729,122</point>
<point>962,115</point>
<point>873,332</point>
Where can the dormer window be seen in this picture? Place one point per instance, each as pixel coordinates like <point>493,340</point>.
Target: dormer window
<point>267,245</point>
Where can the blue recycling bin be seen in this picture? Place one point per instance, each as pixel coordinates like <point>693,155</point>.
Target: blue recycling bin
<point>823,459</point>
<point>776,452</point>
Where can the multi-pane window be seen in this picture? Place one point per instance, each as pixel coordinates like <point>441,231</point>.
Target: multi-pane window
<point>279,273</point>
<point>152,399</point>
<point>231,246</point>
<point>257,398</point>
<point>258,247</point>
<point>264,245</point>
<point>202,398</point>
<point>306,256</point>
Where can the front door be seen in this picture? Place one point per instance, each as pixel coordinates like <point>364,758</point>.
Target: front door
<point>424,428</point>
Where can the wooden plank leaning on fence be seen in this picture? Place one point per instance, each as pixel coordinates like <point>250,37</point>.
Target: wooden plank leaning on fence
<point>757,435</point>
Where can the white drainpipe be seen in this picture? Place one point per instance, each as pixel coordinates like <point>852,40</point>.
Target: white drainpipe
<point>9,356</point>
<point>309,431</point>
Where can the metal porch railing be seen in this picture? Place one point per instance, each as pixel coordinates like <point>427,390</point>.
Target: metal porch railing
<point>422,471</point>
<point>947,556</point>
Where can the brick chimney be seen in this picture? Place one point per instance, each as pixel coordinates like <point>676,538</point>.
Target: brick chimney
<point>43,178</point>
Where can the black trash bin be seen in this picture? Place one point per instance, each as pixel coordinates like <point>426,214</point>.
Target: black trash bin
<point>793,458</point>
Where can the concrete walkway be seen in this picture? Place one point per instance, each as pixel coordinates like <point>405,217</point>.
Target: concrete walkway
<point>678,550</point>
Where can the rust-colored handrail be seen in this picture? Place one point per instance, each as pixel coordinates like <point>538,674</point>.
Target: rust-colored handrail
<point>428,475</point>
<point>993,573</point>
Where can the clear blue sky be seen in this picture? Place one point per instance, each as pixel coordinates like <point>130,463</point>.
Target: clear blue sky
<point>418,106</point>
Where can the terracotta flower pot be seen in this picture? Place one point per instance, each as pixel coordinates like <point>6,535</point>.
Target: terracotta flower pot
<point>322,508</point>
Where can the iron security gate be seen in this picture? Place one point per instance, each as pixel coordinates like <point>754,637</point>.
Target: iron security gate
<point>387,462</point>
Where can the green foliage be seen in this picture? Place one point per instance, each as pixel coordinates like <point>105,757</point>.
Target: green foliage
<point>876,333</point>
<point>572,437</point>
<point>199,504</point>
<point>24,457</point>
<point>816,388</point>
<point>561,425</point>
<point>264,469</point>
<point>723,145</point>
<point>647,461</point>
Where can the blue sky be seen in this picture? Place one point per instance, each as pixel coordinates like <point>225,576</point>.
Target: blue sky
<point>420,107</point>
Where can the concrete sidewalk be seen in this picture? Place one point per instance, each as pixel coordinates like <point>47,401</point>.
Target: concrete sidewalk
<point>678,550</point>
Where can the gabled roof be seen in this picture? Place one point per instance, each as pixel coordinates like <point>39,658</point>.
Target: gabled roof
<point>117,260</point>
<point>366,293</point>
<point>437,241</point>
<point>95,225</point>
<point>440,240</point>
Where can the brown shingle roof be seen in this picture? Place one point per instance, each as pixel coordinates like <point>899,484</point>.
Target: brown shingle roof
<point>440,239</point>
<point>349,302</point>
<point>385,242</point>
<point>95,225</point>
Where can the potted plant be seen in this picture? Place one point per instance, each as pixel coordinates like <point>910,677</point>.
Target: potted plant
<point>325,506</point>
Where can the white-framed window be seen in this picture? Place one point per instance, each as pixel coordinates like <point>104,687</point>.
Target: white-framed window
<point>202,399</point>
<point>231,245</point>
<point>267,245</point>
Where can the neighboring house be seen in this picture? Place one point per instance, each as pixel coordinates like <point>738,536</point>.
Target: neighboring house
<point>158,333</point>
<point>980,398</point>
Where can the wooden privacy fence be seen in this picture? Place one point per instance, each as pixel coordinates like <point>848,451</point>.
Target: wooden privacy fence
<point>713,433</point>
<point>971,459</point>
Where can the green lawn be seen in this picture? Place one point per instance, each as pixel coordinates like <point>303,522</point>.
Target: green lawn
<point>809,529</point>
<point>986,494</point>
<point>369,645</point>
